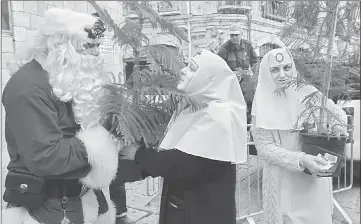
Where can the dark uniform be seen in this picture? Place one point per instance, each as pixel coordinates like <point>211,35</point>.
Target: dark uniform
<point>238,56</point>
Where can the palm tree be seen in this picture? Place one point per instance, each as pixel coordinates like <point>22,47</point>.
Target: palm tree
<point>140,108</point>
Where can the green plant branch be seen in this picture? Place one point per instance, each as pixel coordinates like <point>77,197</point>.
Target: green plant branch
<point>326,85</point>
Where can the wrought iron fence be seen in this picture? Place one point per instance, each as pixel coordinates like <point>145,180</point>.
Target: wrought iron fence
<point>270,10</point>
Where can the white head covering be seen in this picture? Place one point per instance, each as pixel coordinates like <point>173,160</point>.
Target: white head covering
<point>218,131</point>
<point>272,111</point>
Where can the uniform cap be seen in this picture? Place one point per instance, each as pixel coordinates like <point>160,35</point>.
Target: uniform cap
<point>235,28</point>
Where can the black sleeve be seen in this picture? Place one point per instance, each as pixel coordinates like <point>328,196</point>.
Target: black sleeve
<point>223,53</point>
<point>33,120</point>
<point>178,167</point>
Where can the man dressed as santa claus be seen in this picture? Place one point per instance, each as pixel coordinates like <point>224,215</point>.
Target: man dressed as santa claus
<point>61,157</point>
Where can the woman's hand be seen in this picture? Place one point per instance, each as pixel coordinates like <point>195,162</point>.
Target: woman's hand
<point>128,152</point>
<point>314,165</point>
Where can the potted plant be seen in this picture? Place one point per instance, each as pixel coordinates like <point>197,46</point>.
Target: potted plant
<point>138,110</point>
<point>319,71</point>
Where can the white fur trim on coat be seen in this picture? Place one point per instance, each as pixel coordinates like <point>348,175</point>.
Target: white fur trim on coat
<point>110,215</point>
<point>90,210</point>
<point>17,215</point>
<point>102,156</point>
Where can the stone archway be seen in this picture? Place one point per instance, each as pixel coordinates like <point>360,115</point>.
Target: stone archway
<point>270,41</point>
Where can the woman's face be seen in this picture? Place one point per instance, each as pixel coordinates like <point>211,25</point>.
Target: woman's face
<point>186,75</point>
<point>281,73</point>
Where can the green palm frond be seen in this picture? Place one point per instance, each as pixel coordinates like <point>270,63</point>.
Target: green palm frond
<point>133,119</point>
<point>165,58</point>
<point>127,33</point>
<point>139,109</point>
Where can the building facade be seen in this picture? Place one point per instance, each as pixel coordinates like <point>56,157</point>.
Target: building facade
<point>260,23</point>
<point>259,18</point>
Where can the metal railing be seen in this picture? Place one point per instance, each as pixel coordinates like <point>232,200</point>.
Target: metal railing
<point>347,178</point>
<point>254,194</point>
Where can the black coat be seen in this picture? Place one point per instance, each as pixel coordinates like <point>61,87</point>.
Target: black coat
<point>207,186</point>
<point>40,130</point>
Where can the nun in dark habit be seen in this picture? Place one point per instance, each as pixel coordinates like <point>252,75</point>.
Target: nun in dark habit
<point>198,154</point>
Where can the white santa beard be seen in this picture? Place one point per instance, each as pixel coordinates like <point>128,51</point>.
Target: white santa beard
<point>83,86</point>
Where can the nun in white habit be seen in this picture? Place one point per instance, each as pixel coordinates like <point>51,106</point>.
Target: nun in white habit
<point>290,196</point>
<point>200,148</point>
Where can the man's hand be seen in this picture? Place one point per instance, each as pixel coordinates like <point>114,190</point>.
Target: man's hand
<point>128,152</point>
<point>312,163</point>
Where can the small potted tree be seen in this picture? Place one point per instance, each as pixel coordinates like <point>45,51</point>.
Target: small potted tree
<point>138,110</point>
<point>316,119</point>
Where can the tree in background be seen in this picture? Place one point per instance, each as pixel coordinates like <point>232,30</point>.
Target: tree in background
<point>311,23</point>
<point>317,23</point>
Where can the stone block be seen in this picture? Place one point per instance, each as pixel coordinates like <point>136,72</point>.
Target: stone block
<point>31,7</point>
<point>31,34</point>
<point>51,6</point>
<point>114,4</point>
<point>59,4</point>
<point>36,21</point>
<point>17,6</point>
<point>69,5</point>
<point>21,19</point>
<point>81,6</point>
<point>20,47</point>
<point>42,7</point>
<point>5,76</point>
<point>7,44</point>
<point>5,57</point>
<point>90,8</point>
<point>19,33</point>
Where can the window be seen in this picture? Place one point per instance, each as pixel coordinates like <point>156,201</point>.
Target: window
<point>5,16</point>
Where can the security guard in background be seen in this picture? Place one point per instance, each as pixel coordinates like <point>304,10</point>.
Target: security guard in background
<point>237,52</point>
<point>242,59</point>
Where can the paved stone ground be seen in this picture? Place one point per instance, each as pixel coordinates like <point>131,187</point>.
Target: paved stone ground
<point>144,204</point>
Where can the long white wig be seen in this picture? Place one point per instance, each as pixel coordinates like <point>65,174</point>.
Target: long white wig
<point>72,76</point>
